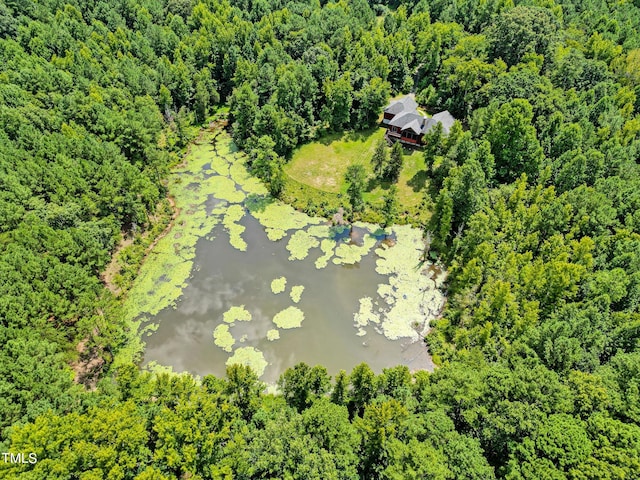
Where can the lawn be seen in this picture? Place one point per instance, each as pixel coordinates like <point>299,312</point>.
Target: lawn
<point>315,175</point>
<point>322,164</point>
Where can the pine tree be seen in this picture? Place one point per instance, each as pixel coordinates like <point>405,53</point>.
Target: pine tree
<point>355,177</point>
<point>392,171</point>
<point>380,159</point>
<point>340,392</point>
<point>390,206</point>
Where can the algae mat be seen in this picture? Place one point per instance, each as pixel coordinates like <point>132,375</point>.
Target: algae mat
<point>242,277</point>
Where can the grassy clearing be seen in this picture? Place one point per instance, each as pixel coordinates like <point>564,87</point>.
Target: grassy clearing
<point>315,176</point>
<point>322,164</point>
<point>411,185</point>
<point>311,200</point>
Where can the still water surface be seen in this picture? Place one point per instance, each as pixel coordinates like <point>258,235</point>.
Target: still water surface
<point>223,277</point>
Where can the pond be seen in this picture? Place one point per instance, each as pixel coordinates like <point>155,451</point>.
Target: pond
<point>244,278</point>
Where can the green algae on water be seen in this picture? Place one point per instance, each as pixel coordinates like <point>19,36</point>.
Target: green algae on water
<point>386,291</point>
<point>275,234</point>
<point>407,298</point>
<point>404,256</point>
<point>164,273</point>
<point>410,294</point>
<point>290,317</point>
<point>219,166</point>
<point>300,243</point>
<point>235,238</point>
<point>236,314</point>
<point>253,185</point>
<point>148,329</point>
<point>278,285</point>
<point>273,334</point>
<point>296,293</point>
<point>349,254</point>
<point>365,315</point>
<point>249,184</point>
<point>224,146</point>
<point>224,189</point>
<point>327,245</point>
<point>233,215</point>
<point>320,231</point>
<point>250,356</point>
<point>282,217</point>
<point>223,338</point>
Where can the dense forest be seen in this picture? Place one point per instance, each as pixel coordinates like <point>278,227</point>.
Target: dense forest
<point>535,196</point>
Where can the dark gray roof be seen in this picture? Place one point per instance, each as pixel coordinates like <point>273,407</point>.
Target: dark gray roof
<point>403,120</point>
<point>428,123</point>
<point>406,117</point>
<point>404,104</point>
<point>446,119</point>
<point>415,122</point>
<point>415,126</point>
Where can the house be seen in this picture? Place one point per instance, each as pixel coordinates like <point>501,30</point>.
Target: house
<point>405,104</point>
<point>446,119</point>
<point>406,125</point>
<point>408,128</point>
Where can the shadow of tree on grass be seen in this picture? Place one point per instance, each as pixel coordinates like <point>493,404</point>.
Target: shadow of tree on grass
<point>418,181</point>
<point>374,182</point>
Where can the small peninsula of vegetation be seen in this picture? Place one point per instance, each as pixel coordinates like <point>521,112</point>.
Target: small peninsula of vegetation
<point>530,200</point>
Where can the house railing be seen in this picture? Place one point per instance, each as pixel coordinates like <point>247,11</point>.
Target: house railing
<point>397,137</point>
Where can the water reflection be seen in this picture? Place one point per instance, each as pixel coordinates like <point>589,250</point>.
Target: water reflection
<point>224,277</point>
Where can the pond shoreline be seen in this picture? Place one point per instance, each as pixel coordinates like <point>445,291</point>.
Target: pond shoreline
<point>213,166</point>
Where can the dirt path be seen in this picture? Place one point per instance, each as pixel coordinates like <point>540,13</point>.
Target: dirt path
<point>113,268</point>
<point>175,211</point>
